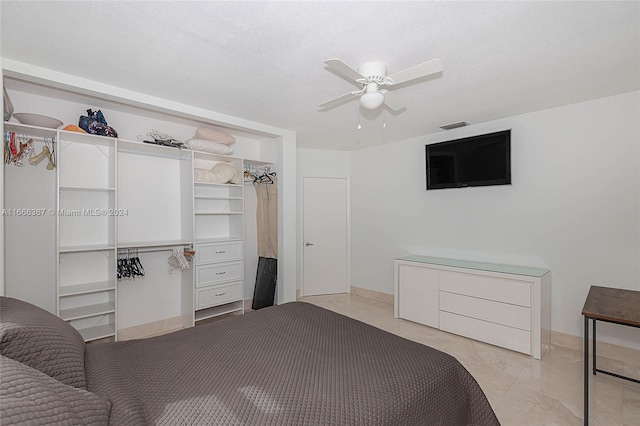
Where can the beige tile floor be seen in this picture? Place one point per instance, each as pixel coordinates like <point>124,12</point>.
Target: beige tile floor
<point>521,390</point>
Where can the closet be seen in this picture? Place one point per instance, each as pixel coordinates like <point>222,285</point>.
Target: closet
<point>110,198</point>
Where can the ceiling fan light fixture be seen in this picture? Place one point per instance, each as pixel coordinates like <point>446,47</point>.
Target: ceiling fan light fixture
<point>371,76</point>
<point>372,100</point>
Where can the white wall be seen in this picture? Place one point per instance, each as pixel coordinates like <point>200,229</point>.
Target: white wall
<point>317,163</point>
<point>573,206</point>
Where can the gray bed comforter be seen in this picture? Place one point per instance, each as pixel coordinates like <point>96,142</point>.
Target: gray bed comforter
<point>293,364</point>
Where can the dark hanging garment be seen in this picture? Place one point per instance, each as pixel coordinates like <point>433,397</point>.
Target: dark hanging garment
<point>265,289</point>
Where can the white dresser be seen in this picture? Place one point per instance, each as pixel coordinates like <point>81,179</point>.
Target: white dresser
<point>219,274</point>
<point>505,305</point>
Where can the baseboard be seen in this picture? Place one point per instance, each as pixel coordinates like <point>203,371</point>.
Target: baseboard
<point>607,350</point>
<point>372,294</point>
<point>150,329</point>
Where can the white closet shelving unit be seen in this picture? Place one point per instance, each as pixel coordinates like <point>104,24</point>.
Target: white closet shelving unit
<point>106,202</point>
<point>219,234</point>
<point>67,264</point>
<point>86,230</point>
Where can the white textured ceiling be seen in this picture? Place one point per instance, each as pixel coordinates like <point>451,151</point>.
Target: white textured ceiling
<point>263,61</point>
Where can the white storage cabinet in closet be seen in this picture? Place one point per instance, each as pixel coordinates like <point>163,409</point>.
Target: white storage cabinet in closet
<point>219,233</point>
<point>86,233</point>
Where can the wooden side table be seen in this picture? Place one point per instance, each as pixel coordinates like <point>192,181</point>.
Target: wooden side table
<point>612,305</point>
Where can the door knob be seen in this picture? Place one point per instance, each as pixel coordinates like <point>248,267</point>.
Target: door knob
<point>308,244</point>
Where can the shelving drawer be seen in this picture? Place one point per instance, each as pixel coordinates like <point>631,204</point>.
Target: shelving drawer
<point>490,288</point>
<point>218,252</point>
<point>218,273</point>
<point>218,295</point>
<point>487,310</point>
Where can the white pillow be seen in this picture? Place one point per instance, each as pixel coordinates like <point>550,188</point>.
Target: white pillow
<point>209,146</point>
<point>214,135</point>
<point>202,175</point>
<point>219,173</point>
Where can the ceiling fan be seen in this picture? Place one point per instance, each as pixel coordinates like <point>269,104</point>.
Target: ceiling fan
<point>372,76</point>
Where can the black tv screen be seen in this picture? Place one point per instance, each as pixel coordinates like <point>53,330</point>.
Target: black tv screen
<point>474,161</point>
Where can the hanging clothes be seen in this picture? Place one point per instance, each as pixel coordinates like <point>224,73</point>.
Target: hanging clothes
<point>267,221</point>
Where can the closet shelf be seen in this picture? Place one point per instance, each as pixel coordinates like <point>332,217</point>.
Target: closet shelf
<point>87,311</point>
<point>87,138</point>
<point>202,155</point>
<point>87,189</point>
<point>224,185</point>
<point>219,310</point>
<point>87,288</point>
<point>41,132</point>
<point>136,147</point>
<point>150,244</point>
<point>217,213</point>
<point>99,332</point>
<point>217,240</point>
<point>96,247</point>
<point>206,197</point>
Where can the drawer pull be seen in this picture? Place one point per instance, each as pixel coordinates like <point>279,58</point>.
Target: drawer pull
<point>221,273</point>
<point>221,294</point>
<point>220,252</point>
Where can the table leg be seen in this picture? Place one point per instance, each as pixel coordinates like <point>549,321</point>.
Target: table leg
<point>593,353</point>
<point>586,371</point>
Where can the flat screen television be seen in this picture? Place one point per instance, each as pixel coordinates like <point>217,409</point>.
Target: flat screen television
<point>474,161</point>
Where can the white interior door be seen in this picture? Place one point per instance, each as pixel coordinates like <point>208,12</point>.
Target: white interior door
<point>325,247</point>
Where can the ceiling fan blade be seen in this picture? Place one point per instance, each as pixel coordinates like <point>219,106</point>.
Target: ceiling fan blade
<point>343,69</point>
<point>339,100</point>
<point>421,70</point>
<point>393,101</point>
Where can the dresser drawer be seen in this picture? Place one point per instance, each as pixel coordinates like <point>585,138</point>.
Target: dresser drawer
<point>218,295</point>
<point>491,288</point>
<point>487,310</point>
<point>218,273</point>
<point>218,252</point>
<point>496,334</point>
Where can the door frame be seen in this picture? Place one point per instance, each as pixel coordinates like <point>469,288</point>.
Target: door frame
<point>302,237</point>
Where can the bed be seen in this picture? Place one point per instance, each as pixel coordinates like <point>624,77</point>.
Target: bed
<point>292,364</point>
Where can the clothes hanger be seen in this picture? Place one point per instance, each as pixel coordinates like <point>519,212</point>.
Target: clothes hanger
<point>266,176</point>
<point>138,265</point>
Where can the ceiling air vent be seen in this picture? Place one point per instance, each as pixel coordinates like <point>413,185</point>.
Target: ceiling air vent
<point>454,125</point>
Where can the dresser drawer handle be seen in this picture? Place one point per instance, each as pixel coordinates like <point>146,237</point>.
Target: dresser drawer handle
<point>221,273</point>
<point>220,252</point>
<point>221,294</point>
